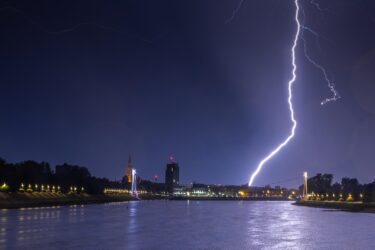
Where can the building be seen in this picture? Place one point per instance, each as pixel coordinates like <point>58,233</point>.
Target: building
<point>129,170</point>
<point>172,175</point>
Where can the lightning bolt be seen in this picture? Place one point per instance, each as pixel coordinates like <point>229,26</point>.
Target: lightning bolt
<point>235,11</point>
<point>290,96</point>
<point>330,83</point>
<point>317,5</point>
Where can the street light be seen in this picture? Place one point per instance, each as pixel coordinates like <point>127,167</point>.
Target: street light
<point>22,188</point>
<point>4,187</point>
<point>305,190</point>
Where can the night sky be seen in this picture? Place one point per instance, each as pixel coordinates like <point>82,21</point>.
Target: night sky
<point>88,82</point>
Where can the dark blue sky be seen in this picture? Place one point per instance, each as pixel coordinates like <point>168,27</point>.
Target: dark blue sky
<point>88,82</point>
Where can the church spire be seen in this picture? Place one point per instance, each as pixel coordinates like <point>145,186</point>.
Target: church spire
<point>129,169</point>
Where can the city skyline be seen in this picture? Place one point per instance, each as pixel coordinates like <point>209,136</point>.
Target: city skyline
<point>190,124</point>
<point>189,80</point>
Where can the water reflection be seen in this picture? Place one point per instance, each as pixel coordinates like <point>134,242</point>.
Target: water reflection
<point>132,216</point>
<point>185,225</point>
<point>3,227</point>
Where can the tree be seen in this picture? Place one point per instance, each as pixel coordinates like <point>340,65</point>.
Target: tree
<point>351,187</point>
<point>320,183</point>
<point>336,190</point>
<point>369,192</point>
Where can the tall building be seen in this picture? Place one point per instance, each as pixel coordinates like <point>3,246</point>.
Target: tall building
<point>129,170</point>
<point>172,175</point>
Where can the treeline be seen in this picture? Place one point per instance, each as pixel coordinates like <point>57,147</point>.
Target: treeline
<point>321,187</point>
<point>64,176</point>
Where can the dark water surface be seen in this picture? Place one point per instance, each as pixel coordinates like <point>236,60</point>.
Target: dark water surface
<point>186,225</point>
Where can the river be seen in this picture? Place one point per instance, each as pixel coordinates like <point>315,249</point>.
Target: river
<point>176,225</point>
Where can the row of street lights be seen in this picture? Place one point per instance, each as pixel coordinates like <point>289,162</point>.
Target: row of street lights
<point>333,196</point>
<point>40,188</point>
<point>47,188</point>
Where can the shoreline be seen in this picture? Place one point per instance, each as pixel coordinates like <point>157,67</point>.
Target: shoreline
<point>28,200</point>
<point>197,198</point>
<point>358,207</point>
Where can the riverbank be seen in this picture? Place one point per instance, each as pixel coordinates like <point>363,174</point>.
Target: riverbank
<point>44,199</point>
<point>25,200</point>
<point>339,205</point>
<point>228,198</point>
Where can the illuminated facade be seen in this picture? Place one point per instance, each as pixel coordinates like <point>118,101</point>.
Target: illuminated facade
<point>234,192</point>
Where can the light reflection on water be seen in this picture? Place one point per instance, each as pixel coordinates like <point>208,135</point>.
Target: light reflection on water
<point>185,225</point>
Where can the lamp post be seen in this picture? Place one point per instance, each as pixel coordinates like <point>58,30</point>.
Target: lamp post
<point>305,195</point>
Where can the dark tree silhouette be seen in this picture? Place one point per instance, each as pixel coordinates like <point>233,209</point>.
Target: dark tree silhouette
<point>65,176</point>
<point>321,184</point>
<point>352,187</point>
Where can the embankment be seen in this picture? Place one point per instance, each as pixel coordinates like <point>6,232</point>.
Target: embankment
<point>340,205</point>
<point>204,198</point>
<point>22,200</point>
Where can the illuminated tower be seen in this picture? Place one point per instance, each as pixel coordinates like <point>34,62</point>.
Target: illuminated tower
<point>305,194</point>
<point>129,170</point>
<point>134,191</point>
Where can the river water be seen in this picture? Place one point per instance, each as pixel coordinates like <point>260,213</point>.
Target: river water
<point>186,225</point>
